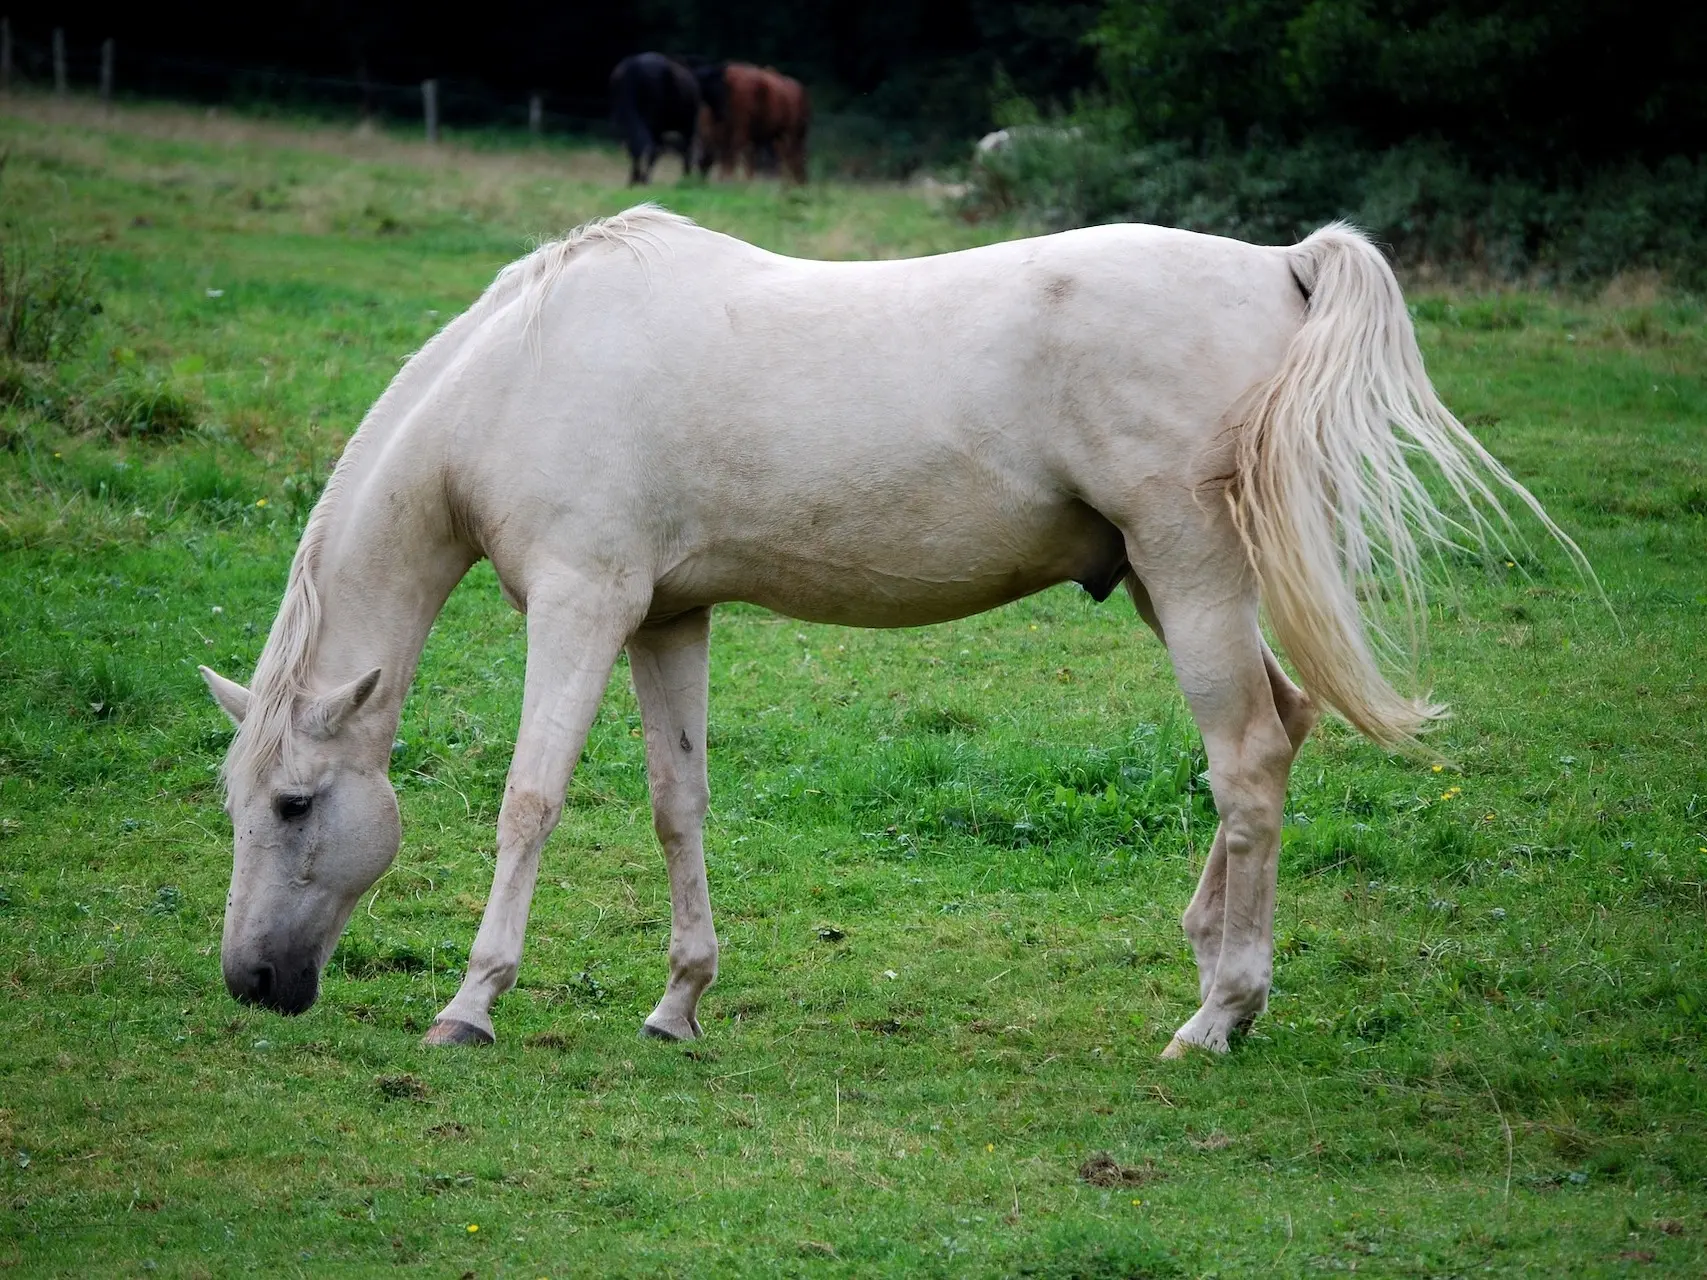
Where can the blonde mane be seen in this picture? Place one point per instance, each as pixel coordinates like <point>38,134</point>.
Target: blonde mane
<point>284,671</point>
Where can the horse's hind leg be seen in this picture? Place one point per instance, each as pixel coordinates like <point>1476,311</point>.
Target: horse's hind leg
<point>669,664</point>
<point>1205,917</point>
<point>642,152</point>
<point>575,629</point>
<point>1218,656</point>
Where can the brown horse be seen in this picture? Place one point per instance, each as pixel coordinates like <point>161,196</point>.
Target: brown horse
<point>748,108</point>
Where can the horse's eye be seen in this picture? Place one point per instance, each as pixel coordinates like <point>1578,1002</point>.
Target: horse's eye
<point>292,807</point>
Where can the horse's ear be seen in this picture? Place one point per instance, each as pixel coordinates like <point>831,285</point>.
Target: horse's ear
<point>330,712</point>
<point>232,697</point>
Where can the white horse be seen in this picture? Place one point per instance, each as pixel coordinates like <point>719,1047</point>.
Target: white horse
<point>646,418</point>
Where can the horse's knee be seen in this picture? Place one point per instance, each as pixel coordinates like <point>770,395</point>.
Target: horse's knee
<point>527,818</point>
<point>678,812</point>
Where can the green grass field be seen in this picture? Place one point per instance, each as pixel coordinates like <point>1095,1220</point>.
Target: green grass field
<point>948,864</point>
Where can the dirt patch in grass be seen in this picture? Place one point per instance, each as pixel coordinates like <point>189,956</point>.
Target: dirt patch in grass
<point>1103,1170</point>
<point>404,1087</point>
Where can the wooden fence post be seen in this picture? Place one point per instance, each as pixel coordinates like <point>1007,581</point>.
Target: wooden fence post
<point>536,114</point>
<point>430,105</point>
<point>108,53</point>
<point>5,55</point>
<point>60,85</point>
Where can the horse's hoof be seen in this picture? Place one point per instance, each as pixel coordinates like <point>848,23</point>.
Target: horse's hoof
<point>650,1030</point>
<point>1179,1047</point>
<point>456,1031</point>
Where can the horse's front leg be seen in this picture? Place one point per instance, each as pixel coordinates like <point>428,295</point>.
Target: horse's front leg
<point>669,664</point>
<point>575,630</point>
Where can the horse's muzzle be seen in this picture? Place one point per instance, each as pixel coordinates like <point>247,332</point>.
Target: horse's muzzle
<point>291,989</point>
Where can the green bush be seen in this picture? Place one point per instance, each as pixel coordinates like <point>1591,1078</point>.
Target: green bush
<point>45,305</point>
<point>1421,200</point>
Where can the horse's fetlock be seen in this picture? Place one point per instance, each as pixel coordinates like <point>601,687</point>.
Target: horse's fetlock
<point>694,963</point>
<point>1241,988</point>
<point>497,976</point>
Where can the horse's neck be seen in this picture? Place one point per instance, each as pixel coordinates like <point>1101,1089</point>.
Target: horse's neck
<point>388,561</point>
<point>389,554</point>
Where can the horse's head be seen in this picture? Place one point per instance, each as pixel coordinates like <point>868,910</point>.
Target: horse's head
<point>314,823</point>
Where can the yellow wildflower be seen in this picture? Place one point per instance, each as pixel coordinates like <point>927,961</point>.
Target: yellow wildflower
<point>473,1227</point>
<point>260,502</point>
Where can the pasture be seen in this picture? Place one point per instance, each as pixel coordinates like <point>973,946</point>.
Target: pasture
<point>947,864</point>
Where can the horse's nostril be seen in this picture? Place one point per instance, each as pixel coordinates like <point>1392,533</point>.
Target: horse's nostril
<point>284,986</point>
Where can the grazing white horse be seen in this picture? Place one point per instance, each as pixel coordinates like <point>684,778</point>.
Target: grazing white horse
<point>646,418</point>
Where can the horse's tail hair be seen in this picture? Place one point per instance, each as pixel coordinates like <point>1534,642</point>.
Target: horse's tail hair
<point>1324,496</point>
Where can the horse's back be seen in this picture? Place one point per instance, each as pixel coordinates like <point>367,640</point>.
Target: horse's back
<point>741,332</point>
<point>883,442</point>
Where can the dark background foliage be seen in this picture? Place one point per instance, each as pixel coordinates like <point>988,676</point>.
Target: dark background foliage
<point>1529,85</point>
<point>1561,136</point>
<point>1537,86</point>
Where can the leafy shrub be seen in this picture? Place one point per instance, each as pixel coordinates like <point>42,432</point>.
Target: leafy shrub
<point>1420,199</point>
<point>45,305</point>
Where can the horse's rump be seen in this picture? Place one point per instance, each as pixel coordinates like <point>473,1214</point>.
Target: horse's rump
<point>756,107</point>
<point>654,98</point>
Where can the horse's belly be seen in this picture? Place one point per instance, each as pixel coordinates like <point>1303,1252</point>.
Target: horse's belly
<point>934,576</point>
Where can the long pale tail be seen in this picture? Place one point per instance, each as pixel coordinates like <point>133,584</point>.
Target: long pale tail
<point>1324,495</point>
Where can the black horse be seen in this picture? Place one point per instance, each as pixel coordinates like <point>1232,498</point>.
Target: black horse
<point>655,102</point>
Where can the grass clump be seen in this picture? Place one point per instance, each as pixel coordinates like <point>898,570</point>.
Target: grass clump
<point>147,402</point>
<point>47,304</point>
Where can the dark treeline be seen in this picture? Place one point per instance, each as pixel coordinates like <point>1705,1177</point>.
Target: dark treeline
<point>1513,85</point>
<point>1562,139</point>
